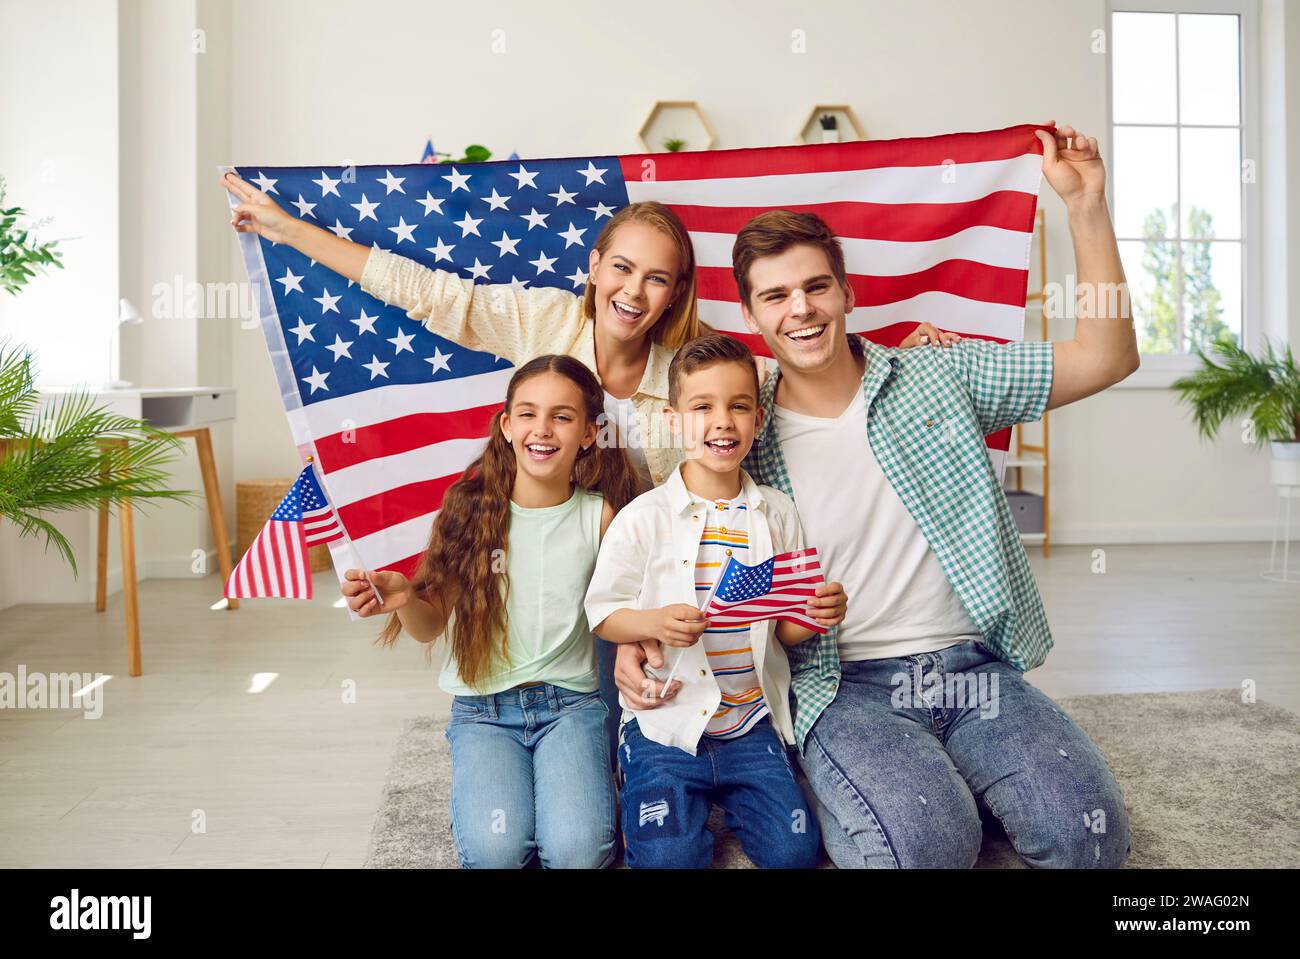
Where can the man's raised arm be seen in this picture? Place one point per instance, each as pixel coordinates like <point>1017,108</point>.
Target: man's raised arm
<point>1104,349</point>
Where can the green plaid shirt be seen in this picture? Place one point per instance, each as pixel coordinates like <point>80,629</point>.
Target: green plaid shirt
<point>928,411</point>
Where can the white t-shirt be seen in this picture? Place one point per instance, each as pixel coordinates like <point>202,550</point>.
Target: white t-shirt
<point>900,599</point>
<point>622,413</point>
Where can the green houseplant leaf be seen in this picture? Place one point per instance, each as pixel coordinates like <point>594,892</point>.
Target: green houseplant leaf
<point>1265,388</point>
<point>71,455</point>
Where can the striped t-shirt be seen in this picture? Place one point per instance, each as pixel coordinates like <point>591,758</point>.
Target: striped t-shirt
<point>726,532</point>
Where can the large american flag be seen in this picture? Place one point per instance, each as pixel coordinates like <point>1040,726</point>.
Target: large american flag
<point>778,588</point>
<point>934,229</point>
<point>276,563</point>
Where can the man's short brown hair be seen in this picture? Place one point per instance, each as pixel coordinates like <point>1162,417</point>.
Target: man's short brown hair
<point>704,351</point>
<point>776,231</point>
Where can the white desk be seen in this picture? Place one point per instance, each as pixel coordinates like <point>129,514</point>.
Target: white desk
<point>183,412</point>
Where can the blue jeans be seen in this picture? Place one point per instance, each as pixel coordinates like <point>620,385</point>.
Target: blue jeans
<point>530,776</point>
<point>667,794</point>
<point>902,768</point>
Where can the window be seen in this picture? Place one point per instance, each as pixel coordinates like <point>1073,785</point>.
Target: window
<point>1182,167</point>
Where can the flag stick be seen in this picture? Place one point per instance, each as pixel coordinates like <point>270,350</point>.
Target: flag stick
<point>352,549</point>
<point>703,606</point>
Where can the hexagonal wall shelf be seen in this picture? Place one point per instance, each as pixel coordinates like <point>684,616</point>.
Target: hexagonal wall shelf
<point>675,119</point>
<point>847,124</point>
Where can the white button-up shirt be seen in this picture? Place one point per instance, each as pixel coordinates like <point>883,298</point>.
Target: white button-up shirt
<point>647,560</point>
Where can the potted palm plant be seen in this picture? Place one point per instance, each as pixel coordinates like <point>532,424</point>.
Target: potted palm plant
<point>71,455</point>
<point>1266,389</point>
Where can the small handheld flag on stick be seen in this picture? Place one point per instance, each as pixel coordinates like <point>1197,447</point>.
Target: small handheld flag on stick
<point>778,588</point>
<point>276,563</point>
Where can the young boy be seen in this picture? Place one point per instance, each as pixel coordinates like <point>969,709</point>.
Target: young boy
<point>722,737</point>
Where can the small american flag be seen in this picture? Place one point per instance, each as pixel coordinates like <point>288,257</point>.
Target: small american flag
<point>934,228</point>
<point>276,563</point>
<point>776,589</point>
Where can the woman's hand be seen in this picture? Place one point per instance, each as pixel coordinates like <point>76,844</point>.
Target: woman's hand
<point>395,587</point>
<point>928,334</point>
<point>258,213</point>
<point>1073,169</point>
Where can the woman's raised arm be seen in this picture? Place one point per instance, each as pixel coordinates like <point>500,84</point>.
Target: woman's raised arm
<point>258,213</point>
<point>505,319</point>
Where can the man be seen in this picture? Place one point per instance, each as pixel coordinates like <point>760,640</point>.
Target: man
<point>913,717</point>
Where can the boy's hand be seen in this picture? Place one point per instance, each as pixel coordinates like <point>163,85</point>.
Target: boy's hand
<point>678,625</point>
<point>395,587</point>
<point>828,606</point>
<point>639,690</point>
<point>258,213</point>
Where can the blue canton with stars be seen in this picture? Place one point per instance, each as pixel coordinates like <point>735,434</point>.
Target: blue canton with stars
<point>739,582</point>
<point>304,496</point>
<point>527,222</point>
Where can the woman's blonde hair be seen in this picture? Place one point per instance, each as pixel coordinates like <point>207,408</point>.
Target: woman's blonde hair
<point>681,321</point>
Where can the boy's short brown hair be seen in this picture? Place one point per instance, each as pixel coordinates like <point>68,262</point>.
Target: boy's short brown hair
<point>704,351</point>
<point>774,232</point>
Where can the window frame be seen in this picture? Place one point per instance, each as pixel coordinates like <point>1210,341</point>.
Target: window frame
<point>1159,370</point>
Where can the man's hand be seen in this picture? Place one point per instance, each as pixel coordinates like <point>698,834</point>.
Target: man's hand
<point>639,690</point>
<point>677,625</point>
<point>828,606</point>
<point>1074,171</point>
<point>929,335</point>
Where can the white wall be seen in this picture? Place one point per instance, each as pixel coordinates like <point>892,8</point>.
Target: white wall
<point>59,156</point>
<point>124,113</point>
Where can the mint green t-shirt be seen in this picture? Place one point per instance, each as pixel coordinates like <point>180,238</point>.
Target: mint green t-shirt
<point>550,557</point>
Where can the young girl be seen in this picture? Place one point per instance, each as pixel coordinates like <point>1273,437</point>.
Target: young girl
<point>504,576</point>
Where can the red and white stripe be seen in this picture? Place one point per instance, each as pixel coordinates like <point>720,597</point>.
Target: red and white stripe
<point>275,565</point>
<point>934,229</point>
<point>795,578</point>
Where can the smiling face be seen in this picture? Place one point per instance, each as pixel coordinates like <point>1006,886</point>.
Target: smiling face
<point>548,426</point>
<point>635,280</point>
<point>717,413</point>
<point>798,307</point>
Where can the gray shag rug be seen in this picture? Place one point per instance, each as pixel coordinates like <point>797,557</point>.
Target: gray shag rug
<point>1209,782</point>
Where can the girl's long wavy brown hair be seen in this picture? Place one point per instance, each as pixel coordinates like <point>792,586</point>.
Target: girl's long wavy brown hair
<point>474,524</point>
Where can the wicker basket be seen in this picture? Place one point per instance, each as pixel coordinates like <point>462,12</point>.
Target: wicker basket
<point>255,501</point>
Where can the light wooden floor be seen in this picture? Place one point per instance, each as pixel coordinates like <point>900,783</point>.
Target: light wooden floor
<point>291,776</point>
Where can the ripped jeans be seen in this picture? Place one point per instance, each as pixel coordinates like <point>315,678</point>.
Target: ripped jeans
<point>667,794</point>
<point>912,749</point>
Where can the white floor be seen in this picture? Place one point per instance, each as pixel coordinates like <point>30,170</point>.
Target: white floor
<point>186,767</point>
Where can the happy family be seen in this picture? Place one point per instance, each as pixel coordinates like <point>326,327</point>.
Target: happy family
<point>566,573</point>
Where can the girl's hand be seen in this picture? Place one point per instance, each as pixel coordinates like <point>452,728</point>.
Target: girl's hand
<point>929,335</point>
<point>258,213</point>
<point>1074,170</point>
<point>395,588</point>
<point>828,606</point>
<point>678,625</point>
